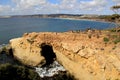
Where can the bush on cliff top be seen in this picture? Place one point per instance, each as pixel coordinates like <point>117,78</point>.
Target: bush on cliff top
<point>105,39</point>
<point>15,72</point>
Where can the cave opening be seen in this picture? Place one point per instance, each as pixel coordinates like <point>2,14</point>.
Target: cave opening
<point>48,53</point>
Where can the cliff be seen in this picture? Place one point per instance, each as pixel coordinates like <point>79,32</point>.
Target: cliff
<point>90,55</point>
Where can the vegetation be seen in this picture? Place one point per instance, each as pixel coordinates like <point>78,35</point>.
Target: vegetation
<point>112,38</point>
<point>115,8</point>
<point>112,17</point>
<point>15,72</point>
<point>3,49</point>
<point>115,37</point>
<point>61,76</point>
<point>106,39</point>
<point>112,30</point>
<point>112,35</point>
<point>117,29</point>
<point>117,40</point>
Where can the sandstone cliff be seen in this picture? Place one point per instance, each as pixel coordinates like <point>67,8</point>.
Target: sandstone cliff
<point>86,55</point>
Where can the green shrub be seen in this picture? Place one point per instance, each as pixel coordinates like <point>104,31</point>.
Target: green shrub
<point>15,72</point>
<point>105,39</point>
<point>117,40</point>
<point>112,30</point>
<point>114,36</point>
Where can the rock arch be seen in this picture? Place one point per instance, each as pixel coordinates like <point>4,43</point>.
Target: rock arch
<point>48,53</point>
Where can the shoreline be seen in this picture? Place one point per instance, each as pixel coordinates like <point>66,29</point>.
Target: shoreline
<point>68,18</point>
<point>96,20</point>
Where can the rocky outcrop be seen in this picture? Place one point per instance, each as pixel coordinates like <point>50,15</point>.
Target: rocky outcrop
<point>83,54</point>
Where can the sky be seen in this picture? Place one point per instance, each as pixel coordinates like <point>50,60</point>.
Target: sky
<point>28,7</point>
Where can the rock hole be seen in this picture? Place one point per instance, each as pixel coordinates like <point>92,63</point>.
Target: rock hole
<point>48,53</point>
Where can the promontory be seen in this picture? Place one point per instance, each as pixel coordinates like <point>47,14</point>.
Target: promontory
<point>88,55</point>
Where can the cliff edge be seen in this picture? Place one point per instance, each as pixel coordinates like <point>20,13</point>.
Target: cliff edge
<point>88,55</point>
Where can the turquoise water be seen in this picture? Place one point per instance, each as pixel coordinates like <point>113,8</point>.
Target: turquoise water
<point>15,27</point>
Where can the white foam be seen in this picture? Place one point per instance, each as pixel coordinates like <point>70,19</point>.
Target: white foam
<point>49,71</point>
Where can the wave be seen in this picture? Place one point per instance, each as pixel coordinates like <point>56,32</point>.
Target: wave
<point>50,70</point>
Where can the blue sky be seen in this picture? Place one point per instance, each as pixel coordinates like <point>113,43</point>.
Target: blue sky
<point>24,7</point>
<point>54,1</point>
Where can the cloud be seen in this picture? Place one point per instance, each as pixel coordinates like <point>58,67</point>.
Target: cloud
<point>5,9</point>
<point>68,4</point>
<point>47,7</point>
<point>27,4</point>
<point>116,1</point>
<point>97,5</point>
<point>43,6</point>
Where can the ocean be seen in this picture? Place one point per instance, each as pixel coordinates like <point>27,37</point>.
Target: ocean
<point>16,27</point>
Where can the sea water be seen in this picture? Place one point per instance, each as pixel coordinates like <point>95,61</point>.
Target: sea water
<point>16,27</point>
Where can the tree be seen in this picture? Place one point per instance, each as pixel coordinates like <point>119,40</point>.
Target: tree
<point>116,17</point>
<point>116,8</point>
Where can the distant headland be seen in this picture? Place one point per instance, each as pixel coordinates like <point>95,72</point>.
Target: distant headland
<point>95,17</point>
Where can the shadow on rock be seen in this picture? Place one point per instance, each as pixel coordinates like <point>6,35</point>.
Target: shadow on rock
<point>47,53</point>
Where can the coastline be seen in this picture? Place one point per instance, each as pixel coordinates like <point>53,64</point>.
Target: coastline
<point>75,26</point>
<point>67,18</point>
<point>96,20</point>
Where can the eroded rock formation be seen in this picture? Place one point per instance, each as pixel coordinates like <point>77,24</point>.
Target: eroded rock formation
<point>83,54</point>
